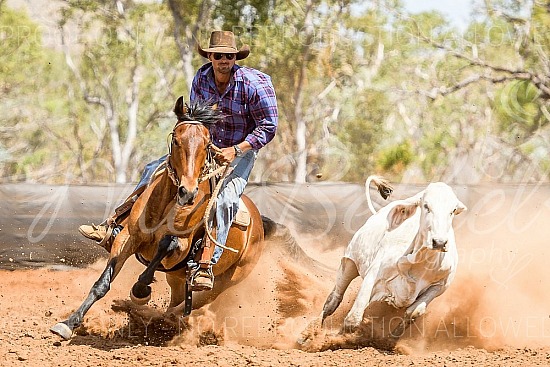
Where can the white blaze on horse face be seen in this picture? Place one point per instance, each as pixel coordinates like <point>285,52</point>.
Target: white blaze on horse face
<point>193,144</point>
<point>438,205</point>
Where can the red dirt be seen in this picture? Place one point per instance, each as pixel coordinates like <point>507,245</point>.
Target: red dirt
<point>496,313</point>
<point>244,326</point>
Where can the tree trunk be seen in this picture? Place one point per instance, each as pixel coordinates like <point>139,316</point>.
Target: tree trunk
<point>186,47</point>
<point>300,173</point>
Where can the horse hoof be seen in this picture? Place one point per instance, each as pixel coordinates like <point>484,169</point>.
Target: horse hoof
<point>62,330</point>
<point>140,294</point>
<point>139,301</point>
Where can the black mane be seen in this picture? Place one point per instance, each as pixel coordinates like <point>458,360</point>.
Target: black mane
<point>201,111</point>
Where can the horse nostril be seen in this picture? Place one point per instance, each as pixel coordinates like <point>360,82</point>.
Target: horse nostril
<point>182,192</point>
<point>186,197</point>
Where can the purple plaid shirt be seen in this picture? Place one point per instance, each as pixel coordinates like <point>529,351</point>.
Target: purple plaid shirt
<point>249,104</point>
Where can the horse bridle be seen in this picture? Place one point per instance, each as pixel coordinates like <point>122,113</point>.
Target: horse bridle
<point>207,168</point>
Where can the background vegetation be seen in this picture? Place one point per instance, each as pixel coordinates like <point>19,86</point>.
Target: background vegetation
<point>362,87</point>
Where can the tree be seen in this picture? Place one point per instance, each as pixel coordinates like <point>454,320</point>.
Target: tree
<point>126,76</point>
<point>506,53</point>
<point>189,19</point>
<point>30,83</point>
<point>300,47</point>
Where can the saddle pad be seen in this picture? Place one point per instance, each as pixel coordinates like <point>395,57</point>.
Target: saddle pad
<point>243,215</point>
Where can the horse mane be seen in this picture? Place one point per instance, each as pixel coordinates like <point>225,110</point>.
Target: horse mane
<point>204,112</point>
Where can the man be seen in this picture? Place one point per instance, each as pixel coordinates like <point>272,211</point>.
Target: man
<point>247,98</point>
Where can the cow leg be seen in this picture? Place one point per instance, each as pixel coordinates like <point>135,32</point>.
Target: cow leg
<point>141,291</point>
<point>346,273</point>
<point>355,315</point>
<point>417,309</point>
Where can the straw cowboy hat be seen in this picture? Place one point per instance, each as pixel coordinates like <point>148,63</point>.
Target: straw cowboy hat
<point>224,42</point>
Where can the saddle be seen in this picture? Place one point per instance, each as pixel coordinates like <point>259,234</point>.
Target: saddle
<point>242,218</point>
<point>243,215</point>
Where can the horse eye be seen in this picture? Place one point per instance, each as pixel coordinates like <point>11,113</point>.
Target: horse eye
<point>427,208</point>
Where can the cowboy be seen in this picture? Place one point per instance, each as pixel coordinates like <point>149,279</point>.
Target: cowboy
<point>247,98</point>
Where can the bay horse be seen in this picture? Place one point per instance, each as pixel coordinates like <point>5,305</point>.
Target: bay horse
<point>167,220</point>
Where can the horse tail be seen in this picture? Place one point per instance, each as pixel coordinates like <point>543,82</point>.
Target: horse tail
<point>382,185</point>
<point>270,226</point>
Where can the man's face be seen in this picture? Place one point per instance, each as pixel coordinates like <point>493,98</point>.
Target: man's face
<point>221,62</point>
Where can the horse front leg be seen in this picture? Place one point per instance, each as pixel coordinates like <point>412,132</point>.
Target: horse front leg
<point>141,291</point>
<point>100,288</point>
<point>65,328</point>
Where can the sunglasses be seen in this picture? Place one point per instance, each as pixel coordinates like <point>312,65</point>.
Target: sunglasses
<point>218,56</point>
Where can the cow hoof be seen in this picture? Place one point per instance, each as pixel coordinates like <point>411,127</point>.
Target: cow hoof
<point>62,330</point>
<point>418,311</point>
<point>140,294</point>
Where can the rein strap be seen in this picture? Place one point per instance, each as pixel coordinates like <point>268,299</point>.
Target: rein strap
<point>207,173</point>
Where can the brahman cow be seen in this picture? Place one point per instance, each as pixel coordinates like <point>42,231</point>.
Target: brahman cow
<point>405,253</point>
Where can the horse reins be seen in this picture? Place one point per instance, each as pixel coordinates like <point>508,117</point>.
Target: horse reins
<point>207,172</point>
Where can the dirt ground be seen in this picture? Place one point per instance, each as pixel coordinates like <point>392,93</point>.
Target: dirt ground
<point>496,312</point>
<point>256,323</point>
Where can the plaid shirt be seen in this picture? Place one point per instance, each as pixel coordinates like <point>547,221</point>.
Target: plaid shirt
<point>249,104</point>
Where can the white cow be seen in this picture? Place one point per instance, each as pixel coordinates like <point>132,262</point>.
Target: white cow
<point>405,253</point>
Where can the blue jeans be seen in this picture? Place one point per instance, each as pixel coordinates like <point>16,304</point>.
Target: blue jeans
<point>227,203</point>
<point>149,170</point>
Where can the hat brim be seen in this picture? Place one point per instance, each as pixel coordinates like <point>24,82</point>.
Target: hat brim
<point>240,54</point>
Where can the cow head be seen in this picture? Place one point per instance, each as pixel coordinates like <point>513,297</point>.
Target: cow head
<point>438,206</point>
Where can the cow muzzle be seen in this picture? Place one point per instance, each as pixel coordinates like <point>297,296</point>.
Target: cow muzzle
<point>439,244</point>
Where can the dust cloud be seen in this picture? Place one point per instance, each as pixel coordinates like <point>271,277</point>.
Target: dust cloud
<point>497,299</point>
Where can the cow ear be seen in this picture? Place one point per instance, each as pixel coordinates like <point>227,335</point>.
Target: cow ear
<point>180,109</point>
<point>399,214</point>
<point>460,207</point>
<point>215,106</point>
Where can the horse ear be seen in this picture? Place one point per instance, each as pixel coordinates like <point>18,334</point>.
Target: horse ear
<point>180,108</point>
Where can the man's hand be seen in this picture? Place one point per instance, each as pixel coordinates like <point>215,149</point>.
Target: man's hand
<point>224,155</point>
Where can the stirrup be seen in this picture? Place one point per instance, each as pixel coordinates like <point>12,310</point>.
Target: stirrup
<point>200,279</point>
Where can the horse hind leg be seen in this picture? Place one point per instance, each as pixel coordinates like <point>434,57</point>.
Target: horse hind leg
<point>141,291</point>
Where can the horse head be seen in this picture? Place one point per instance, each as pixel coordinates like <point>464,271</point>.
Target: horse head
<point>189,147</point>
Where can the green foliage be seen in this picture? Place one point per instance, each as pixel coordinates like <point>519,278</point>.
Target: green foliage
<point>356,73</point>
<point>518,106</point>
<point>31,81</point>
<point>128,60</point>
<point>361,131</point>
<point>21,44</point>
<point>395,159</point>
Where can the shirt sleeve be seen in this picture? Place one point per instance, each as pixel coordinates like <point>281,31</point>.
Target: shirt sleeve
<point>263,109</point>
<point>194,89</point>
